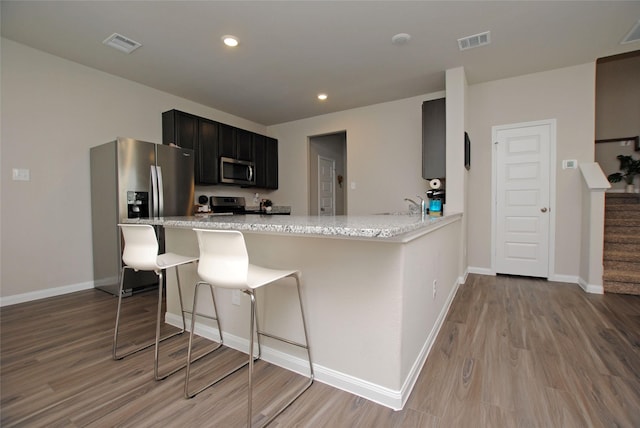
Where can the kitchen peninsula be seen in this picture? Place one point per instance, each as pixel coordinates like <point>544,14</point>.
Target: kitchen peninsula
<point>375,290</point>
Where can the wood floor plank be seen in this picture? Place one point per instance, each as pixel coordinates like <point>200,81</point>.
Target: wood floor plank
<point>512,352</point>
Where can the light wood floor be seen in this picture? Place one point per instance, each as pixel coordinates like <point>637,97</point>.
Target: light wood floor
<point>513,352</point>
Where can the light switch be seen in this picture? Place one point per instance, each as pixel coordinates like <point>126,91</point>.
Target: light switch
<point>21,174</point>
<point>569,164</point>
<point>353,185</point>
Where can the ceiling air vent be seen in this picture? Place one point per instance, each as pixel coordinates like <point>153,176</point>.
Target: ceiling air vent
<point>121,43</point>
<point>474,41</point>
<point>633,36</point>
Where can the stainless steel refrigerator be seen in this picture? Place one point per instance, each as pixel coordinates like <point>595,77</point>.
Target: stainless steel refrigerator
<point>134,179</point>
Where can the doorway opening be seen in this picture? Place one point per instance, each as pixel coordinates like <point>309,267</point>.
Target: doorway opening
<point>327,174</point>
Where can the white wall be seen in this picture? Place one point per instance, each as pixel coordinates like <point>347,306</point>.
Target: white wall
<point>384,155</point>
<point>53,111</point>
<point>566,94</point>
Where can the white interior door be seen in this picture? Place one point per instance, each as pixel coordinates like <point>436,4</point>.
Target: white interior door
<point>326,189</point>
<point>522,190</point>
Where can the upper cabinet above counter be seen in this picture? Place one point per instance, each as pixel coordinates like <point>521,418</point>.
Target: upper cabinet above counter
<point>434,139</point>
<point>211,140</point>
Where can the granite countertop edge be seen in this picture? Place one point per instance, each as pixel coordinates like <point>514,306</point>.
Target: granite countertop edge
<point>392,228</point>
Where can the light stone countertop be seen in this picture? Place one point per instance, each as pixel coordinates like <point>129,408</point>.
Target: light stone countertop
<point>380,227</point>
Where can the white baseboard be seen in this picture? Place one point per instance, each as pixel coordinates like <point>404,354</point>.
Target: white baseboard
<point>463,278</point>
<point>571,279</point>
<point>481,271</point>
<point>590,288</point>
<point>362,388</point>
<point>43,294</point>
<point>412,378</point>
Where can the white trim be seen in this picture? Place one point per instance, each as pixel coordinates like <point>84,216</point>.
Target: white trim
<point>463,278</point>
<point>378,394</point>
<point>571,279</point>
<point>412,377</point>
<point>590,288</point>
<point>552,187</point>
<point>481,271</point>
<point>43,294</point>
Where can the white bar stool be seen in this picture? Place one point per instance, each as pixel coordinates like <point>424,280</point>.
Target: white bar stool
<point>140,253</point>
<point>224,262</point>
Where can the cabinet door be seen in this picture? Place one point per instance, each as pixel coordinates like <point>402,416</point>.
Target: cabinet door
<point>434,139</point>
<point>265,151</point>
<point>271,163</point>
<point>179,128</point>
<point>182,129</point>
<point>208,152</point>
<point>260,159</point>
<point>244,145</point>
<point>227,141</point>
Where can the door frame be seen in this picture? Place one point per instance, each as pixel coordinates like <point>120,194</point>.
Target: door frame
<point>552,188</point>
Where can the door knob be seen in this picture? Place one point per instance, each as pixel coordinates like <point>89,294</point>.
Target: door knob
<point>544,210</point>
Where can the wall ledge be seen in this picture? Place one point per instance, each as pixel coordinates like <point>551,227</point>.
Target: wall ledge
<point>593,177</point>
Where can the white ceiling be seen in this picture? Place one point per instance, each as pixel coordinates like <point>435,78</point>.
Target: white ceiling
<point>292,50</point>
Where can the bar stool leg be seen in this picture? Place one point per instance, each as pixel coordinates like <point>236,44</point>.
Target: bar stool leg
<point>115,332</point>
<point>251,336</point>
<point>156,373</point>
<point>156,352</point>
<point>304,327</point>
<point>190,361</point>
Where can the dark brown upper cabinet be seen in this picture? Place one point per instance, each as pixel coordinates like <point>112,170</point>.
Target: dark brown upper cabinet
<point>198,134</point>
<point>265,151</point>
<point>236,143</point>
<point>211,140</point>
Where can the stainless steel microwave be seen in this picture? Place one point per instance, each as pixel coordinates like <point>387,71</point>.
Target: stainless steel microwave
<point>234,171</point>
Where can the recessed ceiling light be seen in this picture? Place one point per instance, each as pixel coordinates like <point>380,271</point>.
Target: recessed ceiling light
<point>322,97</point>
<point>400,39</point>
<point>231,41</point>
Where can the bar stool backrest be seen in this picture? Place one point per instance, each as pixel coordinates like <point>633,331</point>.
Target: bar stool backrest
<point>140,247</point>
<point>224,261</point>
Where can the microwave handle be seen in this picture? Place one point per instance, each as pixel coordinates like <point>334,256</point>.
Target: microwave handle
<point>250,173</point>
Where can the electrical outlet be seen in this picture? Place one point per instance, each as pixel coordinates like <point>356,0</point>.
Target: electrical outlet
<point>235,297</point>
<point>435,287</point>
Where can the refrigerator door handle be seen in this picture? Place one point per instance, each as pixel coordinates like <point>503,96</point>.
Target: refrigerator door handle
<point>160,193</point>
<point>154,192</point>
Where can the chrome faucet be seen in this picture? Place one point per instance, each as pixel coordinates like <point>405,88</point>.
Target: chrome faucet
<point>411,201</point>
<point>419,207</point>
